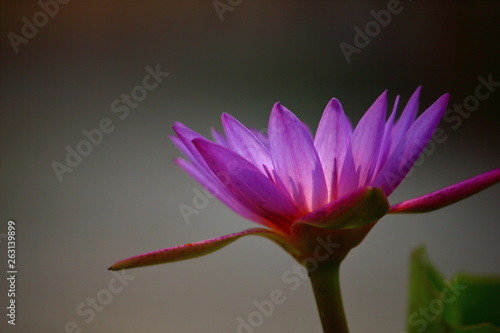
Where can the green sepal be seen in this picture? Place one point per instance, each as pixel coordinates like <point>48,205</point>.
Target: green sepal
<point>354,210</point>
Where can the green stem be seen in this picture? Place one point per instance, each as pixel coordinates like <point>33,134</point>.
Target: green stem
<point>325,280</point>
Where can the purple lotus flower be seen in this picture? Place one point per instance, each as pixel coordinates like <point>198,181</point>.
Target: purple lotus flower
<point>301,186</point>
<point>316,195</point>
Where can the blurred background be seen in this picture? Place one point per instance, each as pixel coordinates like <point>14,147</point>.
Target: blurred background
<point>68,74</point>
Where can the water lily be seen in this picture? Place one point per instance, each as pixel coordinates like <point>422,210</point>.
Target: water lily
<point>316,196</point>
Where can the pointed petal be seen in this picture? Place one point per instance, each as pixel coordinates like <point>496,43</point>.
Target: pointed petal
<point>367,138</point>
<point>216,188</point>
<point>203,175</point>
<point>248,184</point>
<point>386,141</point>
<point>410,147</point>
<point>351,211</point>
<point>186,136</point>
<point>331,141</point>
<point>244,142</point>
<point>420,132</point>
<point>407,117</point>
<point>183,149</point>
<point>219,138</point>
<point>448,195</point>
<point>261,136</point>
<point>198,249</point>
<point>296,160</point>
<point>348,180</point>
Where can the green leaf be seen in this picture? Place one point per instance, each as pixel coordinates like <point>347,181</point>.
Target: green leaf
<point>466,303</point>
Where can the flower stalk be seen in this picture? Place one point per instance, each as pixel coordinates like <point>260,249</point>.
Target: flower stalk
<point>325,281</point>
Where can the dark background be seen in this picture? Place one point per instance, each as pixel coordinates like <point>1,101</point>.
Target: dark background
<point>123,198</point>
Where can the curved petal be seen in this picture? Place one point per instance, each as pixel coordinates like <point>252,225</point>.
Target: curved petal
<point>351,211</point>
<point>182,148</point>
<point>186,136</point>
<point>448,195</point>
<point>348,180</point>
<point>420,132</point>
<point>250,186</point>
<point>385,146</point>
<point>296,160</point>
<point>219,138</point>
<point>262,136</point>
<point>367,138</point>
<point>198,249</point>
<point>203,175</point>
<point>244,142</point>
<point>407,118</point>
<point>410,147</point>
<point>215,187</point>
<point>331,142</point>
